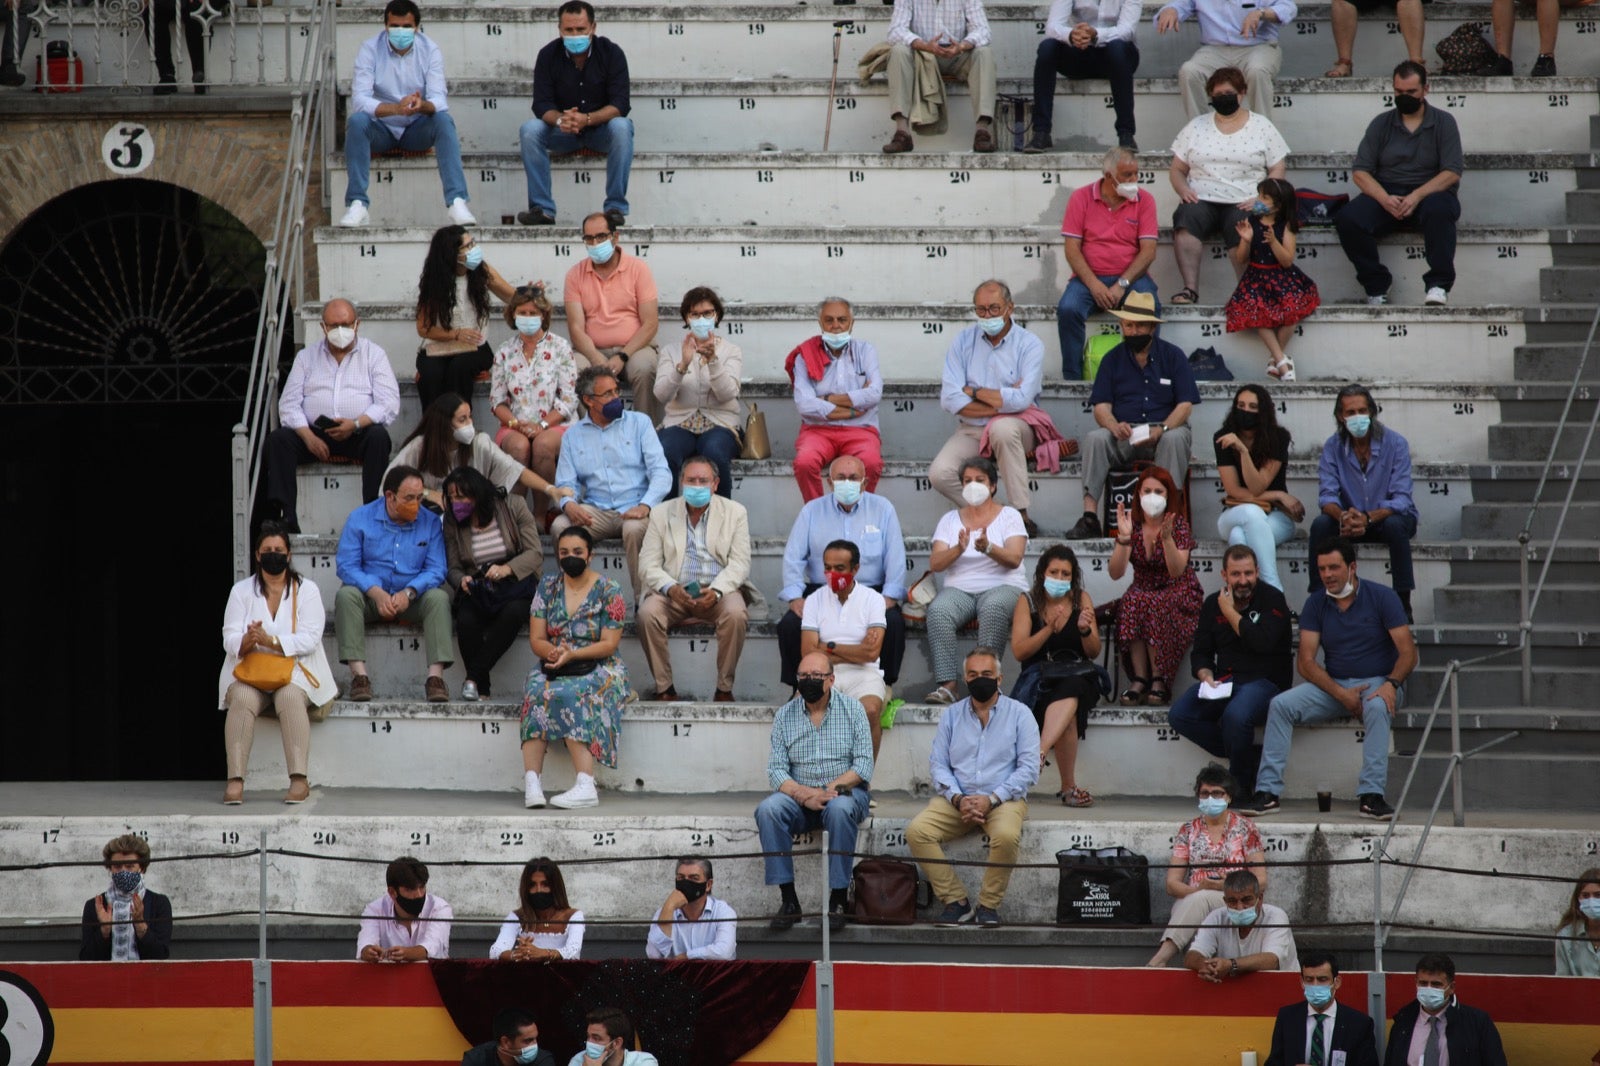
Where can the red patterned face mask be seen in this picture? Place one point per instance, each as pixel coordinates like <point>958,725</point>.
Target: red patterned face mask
<point>840,582</point>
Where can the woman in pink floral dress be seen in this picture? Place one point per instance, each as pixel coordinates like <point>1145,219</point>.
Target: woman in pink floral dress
<point>533,385</point>
<point>576,692</point>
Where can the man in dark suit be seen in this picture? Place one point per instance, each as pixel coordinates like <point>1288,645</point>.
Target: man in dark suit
<point>1435,1021</point>
<point>516,1040</point>
<point>1322,1031</point>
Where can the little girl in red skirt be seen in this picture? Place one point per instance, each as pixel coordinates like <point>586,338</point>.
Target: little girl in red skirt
<point>1273,294</point>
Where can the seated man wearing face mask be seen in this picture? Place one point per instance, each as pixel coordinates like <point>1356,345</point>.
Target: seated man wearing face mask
<point>692,923</point>
<point>837,389</point>
<point>516,1040</point>
<point>1245,934</point>
<point>607,1040</point>
<point>128,921</point>
<point>408,924</point>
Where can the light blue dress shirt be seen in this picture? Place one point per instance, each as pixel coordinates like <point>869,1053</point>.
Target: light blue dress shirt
<point>384,76</point>
<point>374,549</point>
<point>615,468</point>
<point>853,371</point>
<point>1015,366</point>
<point>1220,19</point>
<point>1001,759</point>
<point>871,525</point>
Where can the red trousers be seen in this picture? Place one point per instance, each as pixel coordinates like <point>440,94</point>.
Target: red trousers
<point>817,446</point>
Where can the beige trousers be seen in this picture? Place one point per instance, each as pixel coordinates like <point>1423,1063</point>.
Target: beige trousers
<point>939,821</point>
<point>658,614</point>
<point>1012,442</point>
<point>245,704</point>
<point>1260,63</point>
<point>975,67</point>
<point>1188,913</point>
<point>641,374</point>
<point>610,525</point>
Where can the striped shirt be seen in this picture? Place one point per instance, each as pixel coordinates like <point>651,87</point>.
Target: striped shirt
<point>931,20</point>
<point>699,565</point>
<point>489,544</point>
<point>814,756</point>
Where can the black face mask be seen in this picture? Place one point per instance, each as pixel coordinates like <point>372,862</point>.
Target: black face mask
<point>412,907</point>
<point>1225,103</point>
<point>574,565</point>
<point>692,890</point>
<point>273,563</point>
<point>541,901</point>
<point>983,689</point>
<point>1137,342</point>
<point>1407,105</point>
<point>1246,419</point>
<point>810,689</point>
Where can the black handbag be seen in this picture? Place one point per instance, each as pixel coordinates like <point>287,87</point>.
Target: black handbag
<point>1103,886</point>
<point>570,668</point>
<point>493,596</point>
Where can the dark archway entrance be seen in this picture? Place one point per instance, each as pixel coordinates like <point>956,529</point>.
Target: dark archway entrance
<point>125,341</point>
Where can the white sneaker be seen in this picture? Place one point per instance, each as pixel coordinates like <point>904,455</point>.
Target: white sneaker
<point>532,794</point>
<point>1378,301</point>
<point>581,794</point>
<point>355,215</point>
<point>469,691</point>
<point>1436,297</point>
<point>459,214</point>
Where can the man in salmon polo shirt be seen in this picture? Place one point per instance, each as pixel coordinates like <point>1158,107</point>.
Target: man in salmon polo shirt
<point>611,310</point>
<point>1110,232</point>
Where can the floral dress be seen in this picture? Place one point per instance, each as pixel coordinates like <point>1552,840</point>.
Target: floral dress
<point>586,708</point>
<point>1194,847</point>
<point>530,387</point>
<point>1159,609</point>
<point>1269,294</point>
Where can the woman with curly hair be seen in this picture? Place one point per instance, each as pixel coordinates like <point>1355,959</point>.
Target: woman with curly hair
<point>452,309</point>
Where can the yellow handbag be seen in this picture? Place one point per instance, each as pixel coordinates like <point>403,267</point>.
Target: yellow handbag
<point>757,445</point>
<point>267,672</point>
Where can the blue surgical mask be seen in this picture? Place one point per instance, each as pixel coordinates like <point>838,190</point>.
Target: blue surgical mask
<point>1318,995</point>
<point>1590,908</point>
<point>127,881</point>
<point>591,1050</point>
<point>1244,917</point>
<point>528,1054</point>
<point>402,37</point>
<point>702,327</point>
<point>697,495</point>
<point>576,45</point>
<point>1055,588</point>
<point>992,326</point>
<point>598,253</point>
<point>1358,425</point>
<point>612,409</point>
<point>1211,806</point>
<point>848,492</point>
<point>1260,208</point>
<point>529,325</point>
<point>1432,998</point>
<point>836,340</point>
<point>474,257</point>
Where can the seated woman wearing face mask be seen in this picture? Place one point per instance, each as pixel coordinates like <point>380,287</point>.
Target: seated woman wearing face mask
<point>545,926</point>
<point>698,385</point>
<point>446,439</point>
<point>1157,615</point>
<point>128,921</point>
<point>533,385</point>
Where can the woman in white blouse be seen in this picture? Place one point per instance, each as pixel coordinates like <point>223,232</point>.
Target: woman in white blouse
<point>697,384</point>
<point>978,548</point>
<point>1217,161</point>
<point>545,926</point>
<point>445,439</point>
<point>275,613</point>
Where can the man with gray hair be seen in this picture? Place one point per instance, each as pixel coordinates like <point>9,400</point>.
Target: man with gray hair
<point>1244,935</point>
<point>992,374</point>
<point>837,389</point>
<point>1110,230</point>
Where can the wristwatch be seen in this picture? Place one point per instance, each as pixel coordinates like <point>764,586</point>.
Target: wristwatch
<point>1394,683</point>
<point>514,423</point>
<point>831,645</point>
<point>1125,283</point>
<point>543,424</point>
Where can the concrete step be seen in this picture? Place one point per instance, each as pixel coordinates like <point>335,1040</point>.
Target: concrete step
<point>1552,361</point>
<point>1500,521</point>
<point>1556,322</point>
<point>1583,205</point>
<point>907,265</point>
<point>1495,778</point>
<point>729,114</point>
<point>1572,244</point>
<point>1575,561</point>
<point>1556,645</point>
<point>1341,342</point>
<point>1554,695</point>
<point>760,40</point>
<point>1515,483</point>
<point>1548,403</point>
<point>1531,440</point>
<point>1573,604</point>
<point>870,188</point>
<point>1569,283</point>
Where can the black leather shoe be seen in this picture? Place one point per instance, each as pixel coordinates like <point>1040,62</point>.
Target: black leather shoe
<point>535,217</point>
<point>1088,528</point>
<point>785,919</point>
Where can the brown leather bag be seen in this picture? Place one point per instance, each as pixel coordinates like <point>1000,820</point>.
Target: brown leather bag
<point>885,892</point>
<point>756,443</point>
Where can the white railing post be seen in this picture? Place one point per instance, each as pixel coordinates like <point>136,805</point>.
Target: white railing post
<point>825,972</point>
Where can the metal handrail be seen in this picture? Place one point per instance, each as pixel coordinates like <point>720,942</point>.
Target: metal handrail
<point>310,141</point>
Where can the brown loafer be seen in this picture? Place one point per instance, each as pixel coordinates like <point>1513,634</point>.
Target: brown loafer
<point>360,689</point>
<point>434,689</point>
<point>722,696</point>
<point>983,140</point>
<point>900,142</point>
<point>667,695</point>
<point>299,791</point>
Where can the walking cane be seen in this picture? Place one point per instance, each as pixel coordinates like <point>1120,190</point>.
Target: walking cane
<point>833,79</point>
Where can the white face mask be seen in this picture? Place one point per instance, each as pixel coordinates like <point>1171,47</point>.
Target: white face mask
<point>341,337</point>
<point>1346,592</point>
<point>1128,190</point>
<point>465,434</point>
<point>1153,504</point>
<point>975,493</point>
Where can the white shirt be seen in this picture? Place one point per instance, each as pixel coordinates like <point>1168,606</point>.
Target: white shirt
<point>362,383</point>
<point>936,20</point>
<point>298,625</point>
<point>1218,938</point>
<point>1225,168</point>
<point>698,939</point>
<point>1114,20</point>
<point>487,459</point>
<point>629,1058</point>
<point>569,942</point>
<point>378,926</point>
<point>974,571</point>
<point>1327,1029</point>
<point>847,622</point>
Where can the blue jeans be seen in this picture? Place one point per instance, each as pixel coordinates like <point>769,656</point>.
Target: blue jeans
<point>1115,61</point>
<point>1074,309</point>
<point>1249,525</point>
<point>779,818</point>
<point>1306,704</point>
<point>719,445</point>
<point>364,135</point>
<point>1226,728</point>
<point>1396,531</point>
<point>614,140</point>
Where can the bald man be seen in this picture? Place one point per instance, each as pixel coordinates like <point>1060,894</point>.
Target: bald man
<point>337,401</point>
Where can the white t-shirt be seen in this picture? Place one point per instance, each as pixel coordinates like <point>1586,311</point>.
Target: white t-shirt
<point>974,571</point>
<point>1225,168</point>
<point>1218,938</point>
<point>847,622</point>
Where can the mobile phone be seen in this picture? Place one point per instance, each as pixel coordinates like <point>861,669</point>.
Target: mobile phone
<point>324,422</point>
<point>692,588</point>
<point>843,790</point>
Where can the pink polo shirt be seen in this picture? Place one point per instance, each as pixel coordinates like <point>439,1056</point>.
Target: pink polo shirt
<point>1110,238</point>
<point>610,305</point>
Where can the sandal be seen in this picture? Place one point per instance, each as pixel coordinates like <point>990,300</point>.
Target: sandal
<point>942,696</point>
<point>1283,369</point>
<point>1131,696</point>
<point>1341,69</point>
<point>1185,296</point>
<point>1076,797</point>
<point>1158,696</point>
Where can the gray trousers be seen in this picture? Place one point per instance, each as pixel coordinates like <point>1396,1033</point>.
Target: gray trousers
<point>952,609</point>
<point>1101,451</point>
